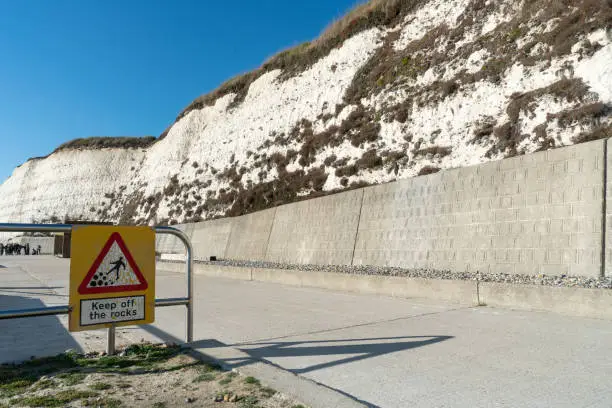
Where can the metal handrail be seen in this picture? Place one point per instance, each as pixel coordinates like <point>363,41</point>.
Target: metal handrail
<point>38,311</point>
<point>61,310</point>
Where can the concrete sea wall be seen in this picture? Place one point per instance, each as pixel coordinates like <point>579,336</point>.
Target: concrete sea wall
<point>543,213</point>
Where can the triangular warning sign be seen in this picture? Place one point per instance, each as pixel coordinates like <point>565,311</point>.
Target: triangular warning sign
<point>114,270</point>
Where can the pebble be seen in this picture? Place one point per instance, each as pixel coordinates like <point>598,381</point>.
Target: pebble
<point>189,400</point>
<point>427,273</point>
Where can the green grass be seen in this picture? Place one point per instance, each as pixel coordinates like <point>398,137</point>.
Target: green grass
<point>42,385</point>
<point>251,380</point>
<point>225,381</point>
<point>72,378</point>
<point>205,377</point>
<point>16,386</point>
<point>159,405</point>
<point>58,400</point>
<point>70,369</point>
<point>209,367</point>
<point>249,401</point>
<point>105,402</point>
<point>100,386</point>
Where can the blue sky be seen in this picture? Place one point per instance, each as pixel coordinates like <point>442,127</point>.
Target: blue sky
<point>83,68</point>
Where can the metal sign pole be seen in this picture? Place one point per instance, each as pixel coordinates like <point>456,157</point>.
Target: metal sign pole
<point>110,348</point>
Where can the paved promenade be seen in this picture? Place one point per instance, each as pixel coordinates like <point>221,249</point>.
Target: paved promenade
<point>385,352</point>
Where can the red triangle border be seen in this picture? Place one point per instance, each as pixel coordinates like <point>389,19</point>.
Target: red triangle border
<point>115,237</point>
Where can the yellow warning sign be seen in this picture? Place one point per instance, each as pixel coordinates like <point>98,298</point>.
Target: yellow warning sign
<point>112,276</point>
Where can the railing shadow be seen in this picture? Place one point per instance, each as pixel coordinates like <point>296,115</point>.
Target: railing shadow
<point>21,339</point>
<point>358,349</point>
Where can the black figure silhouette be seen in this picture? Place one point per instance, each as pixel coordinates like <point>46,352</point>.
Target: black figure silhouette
<point>118,264</point>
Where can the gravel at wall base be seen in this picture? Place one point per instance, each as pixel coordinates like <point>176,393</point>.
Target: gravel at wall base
<point>546,280</point>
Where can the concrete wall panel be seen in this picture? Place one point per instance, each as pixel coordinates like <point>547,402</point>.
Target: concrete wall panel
<point>249,236</point>
<point>318,231</point>
<point>524,215</point>
<point>210,238</point>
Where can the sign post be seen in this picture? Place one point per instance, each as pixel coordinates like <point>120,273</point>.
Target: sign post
<point>112,277</point>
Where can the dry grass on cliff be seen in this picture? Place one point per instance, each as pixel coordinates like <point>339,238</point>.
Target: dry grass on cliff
<point>107,142</point>
<point>297,59</point>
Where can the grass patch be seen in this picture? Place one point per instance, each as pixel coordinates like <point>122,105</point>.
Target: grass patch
<point>297,59</point>
<point>100,386</point>
<point>60,399</point>
<point>249,401</point>
<point>72,369</point>
<point>107,142</point>
<point>16,386</point>
<point>159,405</point>
<point>72,378</point>
<point>251,380</point>
<point>205,377</point>
<point>105,402</point>
<point>225,381</point>
<point>228,378</point>
<point>43,384</point>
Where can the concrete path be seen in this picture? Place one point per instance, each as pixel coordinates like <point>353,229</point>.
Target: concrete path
<point>385,352</point>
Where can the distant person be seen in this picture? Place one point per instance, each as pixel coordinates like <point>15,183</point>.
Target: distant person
<point>39,249</point>
<point>27,248</point>
<point>1,249</point>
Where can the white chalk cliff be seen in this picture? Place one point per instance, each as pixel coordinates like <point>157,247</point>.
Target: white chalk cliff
<point>394,90</point>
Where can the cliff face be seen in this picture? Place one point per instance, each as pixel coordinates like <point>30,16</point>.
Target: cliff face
<point>394,90</point>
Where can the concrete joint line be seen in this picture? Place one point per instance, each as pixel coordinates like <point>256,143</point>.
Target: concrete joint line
<point>229,239</point>
<point>357,229</point>
<point>265,257</point>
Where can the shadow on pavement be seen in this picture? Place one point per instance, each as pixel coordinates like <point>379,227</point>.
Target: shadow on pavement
<point>21,339</point>
<point>358,349</point>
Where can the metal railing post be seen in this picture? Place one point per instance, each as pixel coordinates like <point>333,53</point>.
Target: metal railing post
<point>189,265</point>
